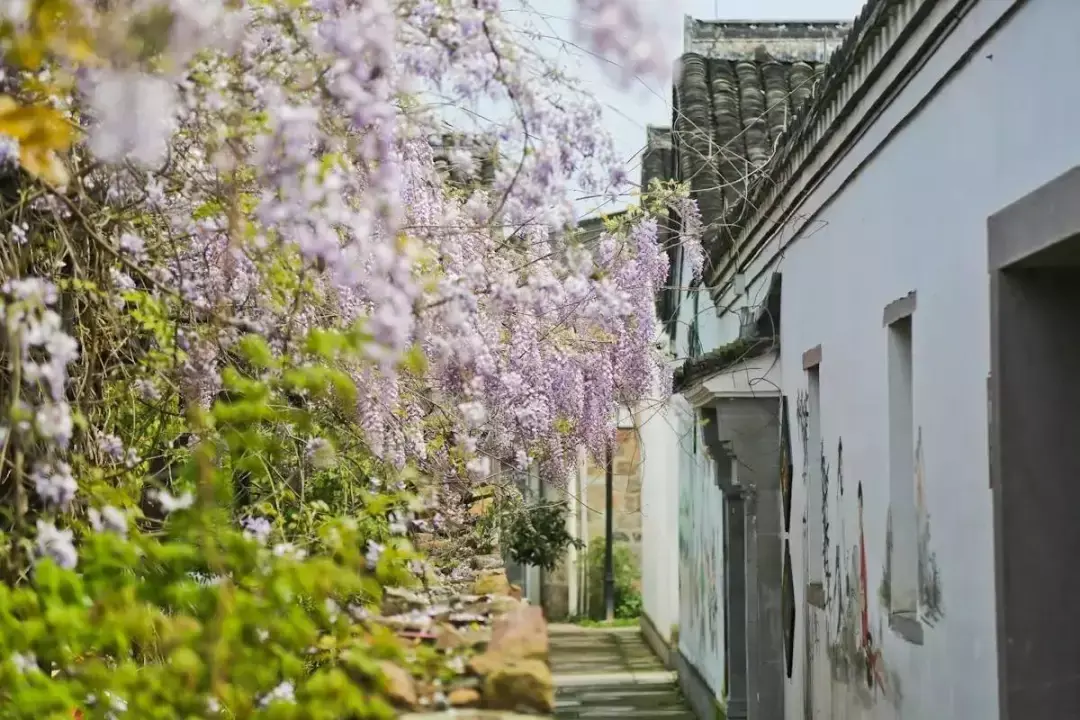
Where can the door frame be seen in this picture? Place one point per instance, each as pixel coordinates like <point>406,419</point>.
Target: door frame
<point>1031,228</point>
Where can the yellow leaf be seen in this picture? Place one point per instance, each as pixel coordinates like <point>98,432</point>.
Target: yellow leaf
<point>41,132</point>
<point>35,124</point>
<point>44,164</point>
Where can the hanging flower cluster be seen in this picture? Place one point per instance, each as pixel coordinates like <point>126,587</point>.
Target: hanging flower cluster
<point>234,230</point>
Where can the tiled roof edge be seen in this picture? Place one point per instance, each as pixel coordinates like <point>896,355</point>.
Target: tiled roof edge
<point>873,35</point>
<point>784,41</point>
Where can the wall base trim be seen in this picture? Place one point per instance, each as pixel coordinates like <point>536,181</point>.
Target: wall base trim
<point>699,696</point>
<point>655,640</point>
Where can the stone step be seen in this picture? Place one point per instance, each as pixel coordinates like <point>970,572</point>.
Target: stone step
<point>677,713</point>
<point>652,699</point>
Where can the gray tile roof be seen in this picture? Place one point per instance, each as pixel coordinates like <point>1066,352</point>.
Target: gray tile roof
<point>739,86</point>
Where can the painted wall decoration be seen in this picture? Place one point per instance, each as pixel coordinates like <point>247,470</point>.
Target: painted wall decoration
<point>846,672</point>
<point>701,589</point>
<point>846,636</point>
<point>802,417</point>
<point>931,606</point>
<point>855,655</point>
<point>787,595</point>
<point>785,462</point>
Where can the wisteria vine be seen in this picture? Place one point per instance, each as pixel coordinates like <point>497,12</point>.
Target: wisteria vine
<point>204,199</point>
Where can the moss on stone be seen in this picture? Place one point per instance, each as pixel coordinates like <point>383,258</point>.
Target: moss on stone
<point>720,359</point>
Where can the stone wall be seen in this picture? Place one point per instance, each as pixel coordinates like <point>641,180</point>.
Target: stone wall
<point>474,648</point>
<point>626,493</point>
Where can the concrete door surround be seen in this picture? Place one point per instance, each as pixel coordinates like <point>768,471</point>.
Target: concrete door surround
<point>1034,387</point>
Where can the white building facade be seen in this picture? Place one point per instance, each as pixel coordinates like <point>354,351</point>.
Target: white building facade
<point>914,578</point>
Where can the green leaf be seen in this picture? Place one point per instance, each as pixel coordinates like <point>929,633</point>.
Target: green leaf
<point>257,352</point>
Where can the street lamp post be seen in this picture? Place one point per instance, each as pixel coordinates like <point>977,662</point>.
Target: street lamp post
<point>609,538</point>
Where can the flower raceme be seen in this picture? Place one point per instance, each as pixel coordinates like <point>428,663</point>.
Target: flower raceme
<point>314,117</point>
<point>219,199</point>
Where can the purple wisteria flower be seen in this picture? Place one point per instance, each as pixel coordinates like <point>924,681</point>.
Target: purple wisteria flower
<point>109,519</point>
<point>319,453</point>
<point>374,552</point>
<point>9,155</point>
<point>288,550</point>
<point>398,526</point>
<point>112,446</point>
<point>56,545</point>
<point>134,115</point>
<point>257,529</point>
<point>54,484</point>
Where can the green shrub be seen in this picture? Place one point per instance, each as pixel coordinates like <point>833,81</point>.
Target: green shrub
<point>216,607</point>
<point>536,534</point>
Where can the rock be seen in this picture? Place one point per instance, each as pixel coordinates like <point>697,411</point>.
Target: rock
<point>487,562</point>
<point>485,663</point>
<point>516,592</point>
<point>398,601</point>
<point>492,582</point>
<point>462,714</point>
<point>466,618</point>
<point>522,684</point>
<point>501,604</point>
<point>463,697</point>
<point>413,621</point>
<point>476,638</point>
<point>448,638</point>
<point>400,688</point>
<point>521,633</point>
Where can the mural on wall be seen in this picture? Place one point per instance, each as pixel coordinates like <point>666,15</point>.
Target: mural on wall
<point>846,637</point>
<point>785,462</point>
<point>931,606</point>
<point>856,660</point>
<point>828,573</point>
<point>844,640</point>
<point>851,626</point>
<point>802,417</point>
<point>701,632</point>
<point>787,599</point>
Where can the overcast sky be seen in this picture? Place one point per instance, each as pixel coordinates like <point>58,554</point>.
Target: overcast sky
<point>629,110</point>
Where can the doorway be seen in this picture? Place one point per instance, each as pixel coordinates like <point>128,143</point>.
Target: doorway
<point>1034,255</point>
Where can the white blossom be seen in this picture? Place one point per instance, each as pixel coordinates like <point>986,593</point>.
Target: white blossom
<point>109,519</point>
<point>171,504</point>
<point>56,544</point>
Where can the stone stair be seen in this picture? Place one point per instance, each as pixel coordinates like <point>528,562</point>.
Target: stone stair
<point>611,674</point>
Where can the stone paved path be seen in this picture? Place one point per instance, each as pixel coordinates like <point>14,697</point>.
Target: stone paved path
<point>611,674</point>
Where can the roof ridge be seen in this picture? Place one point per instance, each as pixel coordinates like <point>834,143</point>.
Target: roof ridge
<point>784,41</point>
<point>863,30</point>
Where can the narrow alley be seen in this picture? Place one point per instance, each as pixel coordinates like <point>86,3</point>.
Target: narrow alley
<point>609,674</point>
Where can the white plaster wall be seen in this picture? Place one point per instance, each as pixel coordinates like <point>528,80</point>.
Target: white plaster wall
<point>698,507</point>
<point>713,330</point>
<point>701,562</point>
<point>659,427</point>
<point>915,219</point>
